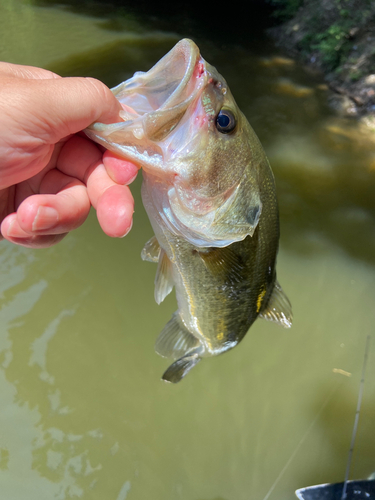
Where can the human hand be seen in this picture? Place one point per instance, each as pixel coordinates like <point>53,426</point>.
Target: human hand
<point>50,175</point>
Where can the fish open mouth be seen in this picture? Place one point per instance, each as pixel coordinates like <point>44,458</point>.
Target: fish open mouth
<point>153,103</point>
<point>162,95</point>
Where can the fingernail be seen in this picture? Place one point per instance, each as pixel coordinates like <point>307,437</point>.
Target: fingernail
<point>128,230</point>
<point>11,232</point>
<point>46,218</point>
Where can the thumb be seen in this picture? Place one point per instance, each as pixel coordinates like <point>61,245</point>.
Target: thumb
<point>37,113</point>
<point>59,107</point>
<point>76,103</point>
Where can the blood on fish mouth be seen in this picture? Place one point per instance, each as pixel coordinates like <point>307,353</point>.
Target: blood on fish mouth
<point>199,70</point>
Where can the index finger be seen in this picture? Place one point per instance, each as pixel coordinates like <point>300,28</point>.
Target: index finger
<point>80,156</point>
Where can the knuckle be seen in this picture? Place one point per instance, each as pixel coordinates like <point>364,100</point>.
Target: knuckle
<point>99,89</point>
<point>100,93</point>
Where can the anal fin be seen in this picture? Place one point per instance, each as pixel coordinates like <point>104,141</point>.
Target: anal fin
<point>180,368</point>
<point>279,308</point>
<point>163,279</point>
<point>175,340</point>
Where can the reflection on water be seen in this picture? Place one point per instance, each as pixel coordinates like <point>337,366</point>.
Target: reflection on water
<point>83,413</point>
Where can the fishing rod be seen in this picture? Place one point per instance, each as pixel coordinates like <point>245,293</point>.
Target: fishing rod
<point>301,492</point>
<point>356,419</point>
<point>348,490</point>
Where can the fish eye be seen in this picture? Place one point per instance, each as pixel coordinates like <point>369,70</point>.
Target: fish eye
<point>225,121</point>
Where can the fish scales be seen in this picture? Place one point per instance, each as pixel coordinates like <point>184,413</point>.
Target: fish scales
<point>231,305</point>
<point>210,196</point>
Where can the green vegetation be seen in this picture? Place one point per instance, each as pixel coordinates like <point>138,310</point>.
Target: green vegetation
<point>285,9</point>
<point>338,38</point>
<point>333,43</point>
<point>328,28</point>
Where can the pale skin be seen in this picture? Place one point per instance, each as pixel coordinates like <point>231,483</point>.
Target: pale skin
<point>50,172</point>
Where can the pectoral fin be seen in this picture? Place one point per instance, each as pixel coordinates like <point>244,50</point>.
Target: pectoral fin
<point>278,309</point>
<point>180,368</point>
<point>225,263</point>
<point>175,340</point>
<point>151,250</point>
<point>163,278</point>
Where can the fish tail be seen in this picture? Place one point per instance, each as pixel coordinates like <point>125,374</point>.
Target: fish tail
<point>180,368</point>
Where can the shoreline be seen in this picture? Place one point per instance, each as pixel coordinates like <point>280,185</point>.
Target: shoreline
<point>338,45</point>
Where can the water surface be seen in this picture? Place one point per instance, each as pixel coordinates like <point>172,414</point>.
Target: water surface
<point>83,413</point>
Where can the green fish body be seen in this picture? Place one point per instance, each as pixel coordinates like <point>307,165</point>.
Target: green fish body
<point>210,195</point>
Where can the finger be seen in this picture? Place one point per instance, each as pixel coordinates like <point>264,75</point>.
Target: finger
<point>32,184</point>
<point>64,106</point>
<point>63,206</point>
<point>115,210</point>
<point>11,231</point>
<point>114,204</point>
<point>27,72</point>
<point>120,170</point>
<point>79,156</point>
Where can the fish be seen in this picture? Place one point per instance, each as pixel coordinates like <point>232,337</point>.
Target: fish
<point>210,196</point>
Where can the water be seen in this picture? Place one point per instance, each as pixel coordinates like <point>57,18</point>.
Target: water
<point>83,413</point>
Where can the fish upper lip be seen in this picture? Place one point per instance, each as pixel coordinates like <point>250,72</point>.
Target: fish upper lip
<point>153,86</point>
<point>158,99</point>
<point>195,68</point>
<point>154,103</point>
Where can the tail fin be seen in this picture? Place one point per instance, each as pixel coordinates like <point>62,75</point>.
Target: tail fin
<point>180,368</point>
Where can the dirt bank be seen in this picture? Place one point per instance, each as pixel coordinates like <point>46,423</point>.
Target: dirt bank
<point>336,37</point>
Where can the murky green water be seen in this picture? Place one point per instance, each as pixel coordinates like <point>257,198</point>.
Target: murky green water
<point>83,413</point>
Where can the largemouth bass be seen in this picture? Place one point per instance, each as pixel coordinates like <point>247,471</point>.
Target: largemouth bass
<point>209,193</point>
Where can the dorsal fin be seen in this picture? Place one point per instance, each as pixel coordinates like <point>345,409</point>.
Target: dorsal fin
<point>151,250</point>
<point>180,368</point>
<point>278,309</point>
<point>163,278</point>
<point>223,262</point>
<point>175,340</point>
